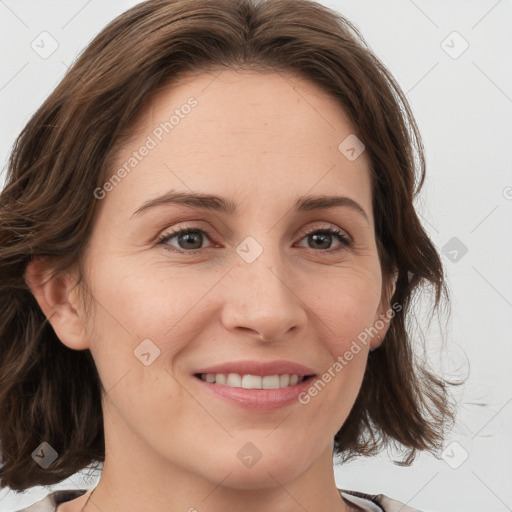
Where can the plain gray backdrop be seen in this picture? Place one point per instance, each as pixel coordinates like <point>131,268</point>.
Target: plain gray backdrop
<point>453,60</point>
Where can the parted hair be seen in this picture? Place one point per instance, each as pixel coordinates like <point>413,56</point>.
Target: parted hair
<point>50,393</point>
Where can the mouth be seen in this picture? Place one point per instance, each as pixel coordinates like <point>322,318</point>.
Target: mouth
<point>255,392</point>
<point>248,381</point>
<point>255,384</point>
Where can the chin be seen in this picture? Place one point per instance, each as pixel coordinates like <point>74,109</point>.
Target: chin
<point>253,468</point>
<point>265,476</point>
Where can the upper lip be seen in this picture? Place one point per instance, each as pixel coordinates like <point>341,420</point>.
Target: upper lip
<point>259,368</point>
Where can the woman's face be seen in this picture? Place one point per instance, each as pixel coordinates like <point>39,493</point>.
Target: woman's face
<point>260,284</point>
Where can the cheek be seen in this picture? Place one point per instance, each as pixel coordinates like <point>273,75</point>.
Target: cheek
<point>345,316</point>
<point>149,299</point>
<point>142,310</point>
<point>347,307</point>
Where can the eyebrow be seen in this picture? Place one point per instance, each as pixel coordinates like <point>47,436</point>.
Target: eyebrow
<point>220,204</point>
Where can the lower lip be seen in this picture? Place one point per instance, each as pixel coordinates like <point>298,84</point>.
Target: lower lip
<point>261,399</point>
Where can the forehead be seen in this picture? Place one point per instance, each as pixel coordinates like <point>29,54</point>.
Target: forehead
<point>239,131</point>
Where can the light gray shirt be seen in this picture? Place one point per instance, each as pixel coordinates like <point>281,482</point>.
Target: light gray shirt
<point>366,502</point>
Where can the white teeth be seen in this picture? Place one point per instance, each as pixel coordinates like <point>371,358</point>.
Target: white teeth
<point>270,382</point>
<point>236,380</point>
<point>251,382</point>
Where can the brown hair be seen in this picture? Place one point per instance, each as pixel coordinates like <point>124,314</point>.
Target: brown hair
<point>51,393</point>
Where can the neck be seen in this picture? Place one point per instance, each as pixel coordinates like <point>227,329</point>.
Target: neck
<point>118,492</point>
<point>137,477</point>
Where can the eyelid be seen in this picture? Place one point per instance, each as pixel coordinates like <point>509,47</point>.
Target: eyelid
<point>319,226</point>
<point>183,226</point>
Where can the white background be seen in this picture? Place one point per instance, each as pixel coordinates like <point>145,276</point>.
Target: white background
<point>463,107</point>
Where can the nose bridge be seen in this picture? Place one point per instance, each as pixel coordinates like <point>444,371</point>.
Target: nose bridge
<point>260,296</point>
<point>260,265</point>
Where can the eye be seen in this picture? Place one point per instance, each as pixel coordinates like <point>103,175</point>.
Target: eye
<point>187,238</point>
<point>190,239</point>
<point>323,237</point>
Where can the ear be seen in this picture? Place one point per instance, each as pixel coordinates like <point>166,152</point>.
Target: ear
<point>57,300</point>
<point>383,317</point>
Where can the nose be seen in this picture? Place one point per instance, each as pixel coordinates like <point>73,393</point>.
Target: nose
<point>262,300</point>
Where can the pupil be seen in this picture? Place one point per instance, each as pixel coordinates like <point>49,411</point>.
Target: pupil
<point>322,236</point>
<point>189,237</point>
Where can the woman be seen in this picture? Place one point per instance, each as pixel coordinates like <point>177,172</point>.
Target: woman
<point>226,374</point>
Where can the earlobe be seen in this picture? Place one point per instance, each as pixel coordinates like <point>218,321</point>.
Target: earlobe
<point>52,294</point>
<point>382,318</point>
<point>393,281</point>
<point>382,325</point>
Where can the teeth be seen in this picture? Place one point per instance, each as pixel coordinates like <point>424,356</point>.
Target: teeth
<point>270,382</point>
<point>251,382</point>
<point>236,380</point>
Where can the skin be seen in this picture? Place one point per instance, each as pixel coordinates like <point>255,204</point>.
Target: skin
<point>260,140</point>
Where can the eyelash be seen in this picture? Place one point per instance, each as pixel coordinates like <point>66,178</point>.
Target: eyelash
<point>342,238</point>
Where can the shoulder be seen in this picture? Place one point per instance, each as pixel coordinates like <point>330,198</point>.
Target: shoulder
<point>384,502</point>
<point>53,500</point>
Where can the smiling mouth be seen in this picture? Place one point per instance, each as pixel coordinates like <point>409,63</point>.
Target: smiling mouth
<point>247,381</point>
